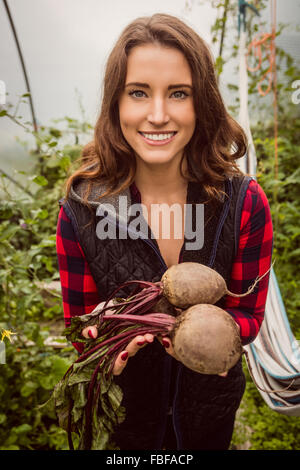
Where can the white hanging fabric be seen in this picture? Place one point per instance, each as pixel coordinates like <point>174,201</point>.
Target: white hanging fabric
<point>274,356</point>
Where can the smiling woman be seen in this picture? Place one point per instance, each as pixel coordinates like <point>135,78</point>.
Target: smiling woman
<point>164,139</point>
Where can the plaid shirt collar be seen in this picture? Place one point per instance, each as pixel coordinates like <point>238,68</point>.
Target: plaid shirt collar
<point>135,194</point>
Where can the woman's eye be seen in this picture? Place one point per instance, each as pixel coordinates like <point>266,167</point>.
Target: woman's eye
<point>137,93</point>
<point>180,94</point>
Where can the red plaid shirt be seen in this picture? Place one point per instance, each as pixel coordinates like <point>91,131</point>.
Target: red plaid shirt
<point>80,294</point>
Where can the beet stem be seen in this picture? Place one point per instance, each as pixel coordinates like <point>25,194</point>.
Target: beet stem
<point>143,319</point>
<point>89,409</point>
<point>70,441</point>
<point>127,283</point>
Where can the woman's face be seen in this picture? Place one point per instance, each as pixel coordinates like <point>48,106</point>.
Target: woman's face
<point>156,108</point>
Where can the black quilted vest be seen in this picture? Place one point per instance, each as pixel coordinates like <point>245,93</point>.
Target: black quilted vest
<point>153,382</point>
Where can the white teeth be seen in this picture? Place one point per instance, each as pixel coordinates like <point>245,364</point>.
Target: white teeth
<point>158,136</point>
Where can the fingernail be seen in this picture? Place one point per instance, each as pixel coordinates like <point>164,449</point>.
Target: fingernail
<point>90,333</point>
<point>124,355</point>
<point>140,343</point>
<point>166,343</point>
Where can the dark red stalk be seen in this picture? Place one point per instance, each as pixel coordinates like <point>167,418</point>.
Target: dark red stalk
<point>143,294</point>
<point>148,319</point>
<point>142,302</point>
<point>156,285</point>
<point>70,441</point>
<point>144,305</point>
<point>88,409</point>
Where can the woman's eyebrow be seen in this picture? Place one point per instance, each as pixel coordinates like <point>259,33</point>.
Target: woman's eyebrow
<point>170,87</point>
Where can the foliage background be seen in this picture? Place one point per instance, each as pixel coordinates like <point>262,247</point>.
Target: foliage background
<point>33,311</point>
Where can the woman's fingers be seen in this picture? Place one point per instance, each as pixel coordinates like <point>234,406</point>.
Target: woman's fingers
<point>167,344</point>
<point>224,374</point>
<point>92,331</point>
<point>132,348</point>
<point>120,363</point>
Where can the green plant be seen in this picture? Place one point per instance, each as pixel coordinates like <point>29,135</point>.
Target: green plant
<point>27,378</point>
<point>28,263</point>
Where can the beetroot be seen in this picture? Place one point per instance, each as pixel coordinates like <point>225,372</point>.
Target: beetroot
<point>187,284</point>
<point>206,339</point>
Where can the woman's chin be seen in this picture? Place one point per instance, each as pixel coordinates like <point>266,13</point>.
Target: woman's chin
<point>158,159</point>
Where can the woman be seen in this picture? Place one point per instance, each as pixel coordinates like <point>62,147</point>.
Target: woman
<point>164,137</point>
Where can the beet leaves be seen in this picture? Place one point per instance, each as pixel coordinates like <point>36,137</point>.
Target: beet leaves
<point>87,401</point>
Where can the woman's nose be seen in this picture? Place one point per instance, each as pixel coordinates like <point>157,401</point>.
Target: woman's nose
<point>158,114</point>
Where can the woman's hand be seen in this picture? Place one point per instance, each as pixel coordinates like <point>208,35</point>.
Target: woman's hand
<point>131,349</point>
<point>92,330</point>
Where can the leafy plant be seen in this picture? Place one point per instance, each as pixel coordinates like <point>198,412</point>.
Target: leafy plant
<point>28,308</point>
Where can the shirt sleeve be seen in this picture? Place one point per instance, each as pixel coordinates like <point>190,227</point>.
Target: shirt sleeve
<point>253,259</point>
<point>79,291</point>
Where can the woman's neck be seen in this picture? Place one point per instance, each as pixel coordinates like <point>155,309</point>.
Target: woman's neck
<point>160,184</point>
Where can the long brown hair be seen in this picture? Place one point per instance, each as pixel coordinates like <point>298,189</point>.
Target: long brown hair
<point>218,140</point>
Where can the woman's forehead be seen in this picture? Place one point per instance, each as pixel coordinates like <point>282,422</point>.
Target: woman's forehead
<point>155,62</point>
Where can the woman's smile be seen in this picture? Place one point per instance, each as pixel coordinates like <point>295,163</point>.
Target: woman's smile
<point>158,138</point>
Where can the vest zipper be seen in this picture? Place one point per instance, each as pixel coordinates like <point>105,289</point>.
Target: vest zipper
<point>146,240</point>
<point>173,407</point>
<point>156,251</point>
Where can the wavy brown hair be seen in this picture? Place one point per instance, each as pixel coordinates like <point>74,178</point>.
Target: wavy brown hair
<point>218,140</point>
